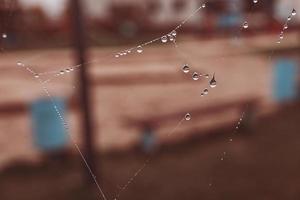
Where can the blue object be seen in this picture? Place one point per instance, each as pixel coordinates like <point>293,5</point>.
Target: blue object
<point>285,80</point>
<point>48,130</point>
<point>148,140</point>
<point>229,20</point>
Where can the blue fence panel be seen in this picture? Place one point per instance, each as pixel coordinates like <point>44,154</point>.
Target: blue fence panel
<point>285,80</point>
<point>48,131</point>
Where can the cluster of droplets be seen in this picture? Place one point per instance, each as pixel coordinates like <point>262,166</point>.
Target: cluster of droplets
<point>212,84</point>
<point>196,76</point>
<point>169,37</point>
<point>286,26</point>
<point>239,122</point>
<point>67,70</point>
<point>139,49</point>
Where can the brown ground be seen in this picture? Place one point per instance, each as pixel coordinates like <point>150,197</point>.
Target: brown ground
<point>262,164</point>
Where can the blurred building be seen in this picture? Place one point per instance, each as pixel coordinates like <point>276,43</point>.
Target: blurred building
<point>158,15</point>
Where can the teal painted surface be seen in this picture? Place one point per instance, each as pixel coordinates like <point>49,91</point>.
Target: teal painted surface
<point>285,80</point>
<point>48,131</point>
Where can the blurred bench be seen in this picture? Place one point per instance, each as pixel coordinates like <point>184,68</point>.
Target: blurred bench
<point>150,125</point>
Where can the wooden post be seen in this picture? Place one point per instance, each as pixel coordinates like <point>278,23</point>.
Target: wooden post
<point>85,104</point>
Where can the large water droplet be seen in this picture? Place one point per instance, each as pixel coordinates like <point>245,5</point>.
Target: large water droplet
<point>245,25</point>
<point>187,117</point>
<point>195,76</point>
<point>213,82</point>
<point>164,39</point>
<point>139,49</point>
<point>186,68</point>
<point>294,12</point>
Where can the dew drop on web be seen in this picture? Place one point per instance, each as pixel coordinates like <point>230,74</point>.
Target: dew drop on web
<point>294,12</point>
<point>195,76</point>
<point>187,117</point>
<point>245,25</point>
<point>213,82</point>
<point>139,49</point>
<point>186,68</point>
<point>164,39</point>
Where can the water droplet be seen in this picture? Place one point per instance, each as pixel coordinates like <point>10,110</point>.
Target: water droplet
<point>67,70</point>
<point>222,159</point>
<point>117,55</point>
<point>174,33</point>
<point>205,91</point>
<point>281,35</point>
<point>289,18</point>
<point>36,75</point>
<point>213,82</point>
<point>285,27</point>
<point>129,51</point>
<point>139,49</point>
<point>230,140</point>
<point>4,35</point>
<point>195,76</point>
<point>203,5</point>
<point>206,75</point>
<point>71,69</point>
<point>164,39</point>
<point>255,1</point>
<point>202,94</point>
<point>294,12</point>
<point>171,38</point>
<point>62,72</point>
<point>186,68</point>
<point>20,64</point>
<point>188,117</point>
<point>245,25</point>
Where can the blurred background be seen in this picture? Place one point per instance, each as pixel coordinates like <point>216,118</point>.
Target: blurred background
<point>128,113</point>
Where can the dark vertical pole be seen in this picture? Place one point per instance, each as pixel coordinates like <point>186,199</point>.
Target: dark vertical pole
<point>79,42</point>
